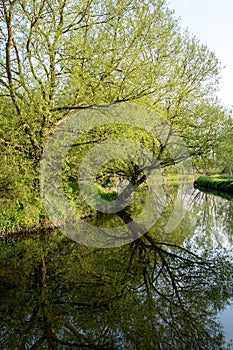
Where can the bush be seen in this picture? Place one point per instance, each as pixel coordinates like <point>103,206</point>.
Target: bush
<point>219,182</point>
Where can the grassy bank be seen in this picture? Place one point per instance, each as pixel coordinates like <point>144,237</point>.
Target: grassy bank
<point>221,183</point>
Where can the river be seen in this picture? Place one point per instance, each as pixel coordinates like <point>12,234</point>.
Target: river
<point>174,291</point>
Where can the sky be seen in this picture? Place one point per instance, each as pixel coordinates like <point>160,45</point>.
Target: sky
<point>212,22</point>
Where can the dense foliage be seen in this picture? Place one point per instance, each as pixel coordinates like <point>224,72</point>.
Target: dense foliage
<point>221,183</point>
<point>58,56</point>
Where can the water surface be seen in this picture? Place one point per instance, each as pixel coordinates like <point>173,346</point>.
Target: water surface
<point>164,291</point>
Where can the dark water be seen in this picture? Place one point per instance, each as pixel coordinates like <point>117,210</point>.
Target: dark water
<point>172,292</point>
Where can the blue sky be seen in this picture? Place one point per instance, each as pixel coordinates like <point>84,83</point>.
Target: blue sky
<point>212,22</point>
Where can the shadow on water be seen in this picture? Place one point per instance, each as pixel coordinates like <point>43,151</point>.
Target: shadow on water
<point>150,294</point>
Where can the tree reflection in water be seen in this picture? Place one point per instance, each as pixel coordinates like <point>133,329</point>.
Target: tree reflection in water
<point>145,295</point>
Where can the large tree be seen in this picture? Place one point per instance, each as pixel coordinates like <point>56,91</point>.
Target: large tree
<point>59,55</point>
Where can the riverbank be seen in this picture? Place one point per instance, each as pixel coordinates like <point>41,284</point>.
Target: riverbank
<point>221,183</point>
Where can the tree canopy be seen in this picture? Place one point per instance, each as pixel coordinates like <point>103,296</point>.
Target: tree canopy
<point>58,56</point>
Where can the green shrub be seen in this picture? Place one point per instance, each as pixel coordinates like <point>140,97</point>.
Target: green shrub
<point>218,182</point>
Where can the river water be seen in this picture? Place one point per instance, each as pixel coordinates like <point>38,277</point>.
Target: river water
<point>174,291</point>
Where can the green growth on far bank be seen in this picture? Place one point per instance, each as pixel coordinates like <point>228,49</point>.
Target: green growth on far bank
<point>222,183</point>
